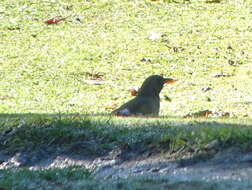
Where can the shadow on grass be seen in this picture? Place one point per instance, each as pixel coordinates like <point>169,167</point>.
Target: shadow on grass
<point>39,139</point>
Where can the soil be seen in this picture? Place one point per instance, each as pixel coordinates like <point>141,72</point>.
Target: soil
<point>231,164</point>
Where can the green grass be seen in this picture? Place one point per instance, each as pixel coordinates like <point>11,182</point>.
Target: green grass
<point>29,134</point>
<point>43,179</point>
<point>106,134</point>
<point>43,68</point>
<point>77,179</point>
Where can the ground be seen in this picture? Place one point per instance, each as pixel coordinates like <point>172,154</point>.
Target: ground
<point>59,82</point>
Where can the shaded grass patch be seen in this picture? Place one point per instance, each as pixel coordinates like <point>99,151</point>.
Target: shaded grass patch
<point>99,135</point>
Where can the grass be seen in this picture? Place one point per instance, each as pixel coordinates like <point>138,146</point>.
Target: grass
<point>105,135</point>
<point>79,179</point>
<point>99,136</point>
<point>44,68</point>
<point>43,179</point>
<point>53,69</point>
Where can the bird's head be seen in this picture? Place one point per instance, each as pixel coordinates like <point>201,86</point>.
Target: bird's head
<point>153,85</point>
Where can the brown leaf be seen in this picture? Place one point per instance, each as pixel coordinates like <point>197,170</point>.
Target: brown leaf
<point>95,75</point>
<point>204,113</point>
<point>208,113</point>
<point>133,91</point>
<point>54,20</point>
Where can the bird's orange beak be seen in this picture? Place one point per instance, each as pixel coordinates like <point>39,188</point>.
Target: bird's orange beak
<point>169,80</point>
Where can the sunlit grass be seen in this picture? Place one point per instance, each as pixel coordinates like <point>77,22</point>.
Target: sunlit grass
<point>44,67</point>
<point>47,69</point>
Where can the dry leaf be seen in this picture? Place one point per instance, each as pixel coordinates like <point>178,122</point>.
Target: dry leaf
<point>54,20</point>
<point>95,75</point>
<point>208,113</point>
<point>133,91</point>
<point>167,98</point>
<point>206,88</point>
<point>111,107</point>
<point>204,113</point>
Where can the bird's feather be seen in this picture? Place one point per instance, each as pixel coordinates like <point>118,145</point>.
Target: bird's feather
<point>140,106</point>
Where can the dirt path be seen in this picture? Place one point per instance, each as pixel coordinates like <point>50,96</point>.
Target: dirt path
<point>230,165</point>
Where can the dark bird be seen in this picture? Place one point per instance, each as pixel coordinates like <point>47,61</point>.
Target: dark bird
<point>147,100</point>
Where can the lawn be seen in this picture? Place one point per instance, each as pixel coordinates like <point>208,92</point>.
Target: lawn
<point>53,68</point>
<point>55,78</point>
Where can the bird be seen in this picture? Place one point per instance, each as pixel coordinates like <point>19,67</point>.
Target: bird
<point>147,100</point>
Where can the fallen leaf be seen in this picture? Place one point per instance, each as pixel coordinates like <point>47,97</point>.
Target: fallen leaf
<point>206,88</point>
<point>204,113</point>
<point>133,91</point>
<point>167,98</point>
<point>95,75</point>
<point>111,107</point>
<point>54,20</point>
<point>208,113</point>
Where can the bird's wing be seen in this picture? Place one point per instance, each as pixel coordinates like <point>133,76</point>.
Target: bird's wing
<point>128,107</point>
<point>138,105</point>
